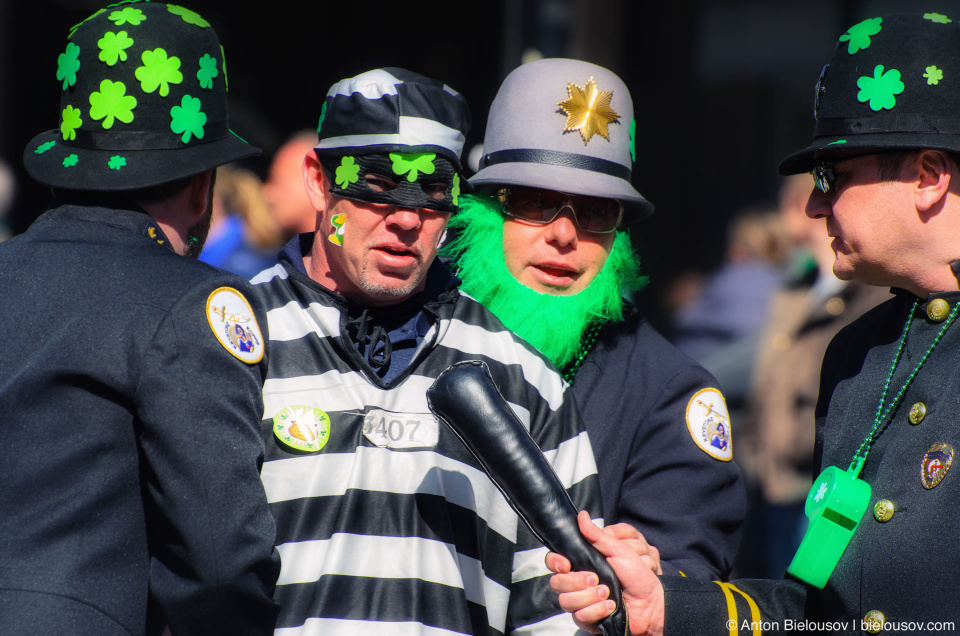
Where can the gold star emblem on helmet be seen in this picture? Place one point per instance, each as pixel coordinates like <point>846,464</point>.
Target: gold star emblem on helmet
<point>588,110</point>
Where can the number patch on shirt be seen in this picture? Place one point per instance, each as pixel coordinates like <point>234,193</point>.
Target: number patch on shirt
<point>401,430</point>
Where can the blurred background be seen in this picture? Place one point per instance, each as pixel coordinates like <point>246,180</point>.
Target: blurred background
<point>722,89</point>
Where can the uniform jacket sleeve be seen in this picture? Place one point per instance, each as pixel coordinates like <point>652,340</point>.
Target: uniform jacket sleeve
<point>213,566</point>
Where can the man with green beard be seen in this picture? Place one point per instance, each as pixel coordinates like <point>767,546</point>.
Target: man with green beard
<point>544,246</point>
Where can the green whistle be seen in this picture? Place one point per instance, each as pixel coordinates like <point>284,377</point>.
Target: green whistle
<point>834,506</point>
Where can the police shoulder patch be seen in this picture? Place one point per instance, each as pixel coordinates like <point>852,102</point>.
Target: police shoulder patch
<point>233,323</point>
<point>709,424</point>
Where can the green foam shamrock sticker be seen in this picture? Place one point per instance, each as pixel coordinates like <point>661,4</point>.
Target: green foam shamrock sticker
<point>338,222</point>
<point>226,83</point>
<point>633,140</point>
<point>409,163</point>
<point>113,47</point>
<point>112,102</point>
<point>880,89</point>
<point>158,71</point>
<point>71,121</point>
<point>190,17</point>
<point>933,75</point>
<point>42,148</point>
<point>76,26</point>
<point>116,162</point>
<point>70,161</point>
<point>347,172</point>
<point>938,18</point>
<point>455,191</point>
<point>323,115</point>
<point>859,34</point>
<point>68,65</point>
<point>127,15</point>
<point>187,118</point>
<point>208,70</point>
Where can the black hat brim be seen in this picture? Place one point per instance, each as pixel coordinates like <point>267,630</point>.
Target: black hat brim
<point>143,168</point>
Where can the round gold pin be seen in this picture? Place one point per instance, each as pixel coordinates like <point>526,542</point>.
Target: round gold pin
<point>883,510</point>
<point>873,621</point>
<point>917,412</point>
<point>938,309</point>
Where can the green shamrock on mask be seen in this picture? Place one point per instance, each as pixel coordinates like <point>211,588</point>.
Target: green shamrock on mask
<point>113,47</point>
<point>455,191</point>
<point>71,121</point>
<point>208,71</point>
<point>158,71</point>
<point>128,15</point>
<point>410,163</point>
<point>347,172</point>
<point>111,102</point>
<point>68,65</point>
<point>187,118</point>
<point>859,34</point>
<point>880,89</point>
<point>190,17</point>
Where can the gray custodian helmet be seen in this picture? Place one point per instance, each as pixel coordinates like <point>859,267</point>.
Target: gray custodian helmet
<point>563,125</point>
<point>143,102</point>
<point>893,82</point>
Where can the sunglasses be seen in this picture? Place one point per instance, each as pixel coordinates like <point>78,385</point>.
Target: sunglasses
<point>824,175</point>
<point>592,214</point>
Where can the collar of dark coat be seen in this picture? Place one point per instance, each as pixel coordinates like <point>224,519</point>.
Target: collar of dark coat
<point>108,209</point>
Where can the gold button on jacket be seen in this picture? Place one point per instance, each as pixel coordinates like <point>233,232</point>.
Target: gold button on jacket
<point>883,510</point>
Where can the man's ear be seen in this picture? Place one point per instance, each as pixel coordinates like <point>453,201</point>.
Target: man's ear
<point>932,182</point>
<point>315,181</point>
<point>200,193</point>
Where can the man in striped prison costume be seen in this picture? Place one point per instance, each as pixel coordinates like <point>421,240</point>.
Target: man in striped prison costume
<point>386,524</point>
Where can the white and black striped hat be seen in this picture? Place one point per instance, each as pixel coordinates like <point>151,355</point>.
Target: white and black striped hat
<point>393,110</point>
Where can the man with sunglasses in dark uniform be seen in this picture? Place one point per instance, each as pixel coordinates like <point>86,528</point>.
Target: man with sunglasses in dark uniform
<point>545,248</point>
<point>880,553</point>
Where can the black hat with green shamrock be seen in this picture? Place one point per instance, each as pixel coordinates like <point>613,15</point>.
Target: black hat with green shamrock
<point>144,102</point>
<point>893,82</point>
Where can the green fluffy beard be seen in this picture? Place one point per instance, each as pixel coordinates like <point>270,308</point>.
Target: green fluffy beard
<point>553,324</point>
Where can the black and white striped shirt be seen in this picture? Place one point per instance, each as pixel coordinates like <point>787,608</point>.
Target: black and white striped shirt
<point>392,527</point>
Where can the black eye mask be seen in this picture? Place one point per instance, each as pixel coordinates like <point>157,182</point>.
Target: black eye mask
<point>409,180</point>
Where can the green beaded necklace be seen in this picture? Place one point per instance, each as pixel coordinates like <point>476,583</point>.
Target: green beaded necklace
<point>882,414</point>
<point>586,345</point>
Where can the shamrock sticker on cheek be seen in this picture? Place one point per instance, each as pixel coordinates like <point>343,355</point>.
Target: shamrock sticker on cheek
<point>338,221</point>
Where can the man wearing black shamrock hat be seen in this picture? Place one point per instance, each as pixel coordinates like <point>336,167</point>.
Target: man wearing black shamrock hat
<point>131,386</point>
<point>386,524</point>
<point>880,550</point>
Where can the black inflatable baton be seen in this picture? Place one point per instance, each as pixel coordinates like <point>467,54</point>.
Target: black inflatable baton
<point>466,399</point>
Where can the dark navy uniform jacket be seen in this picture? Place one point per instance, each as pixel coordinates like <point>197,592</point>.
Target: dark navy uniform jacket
<point>901,566</point>
<point>633,390</point>
<point>130,495</point>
